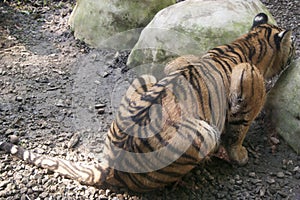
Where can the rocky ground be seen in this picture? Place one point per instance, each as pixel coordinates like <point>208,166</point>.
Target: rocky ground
<point>45,78</point>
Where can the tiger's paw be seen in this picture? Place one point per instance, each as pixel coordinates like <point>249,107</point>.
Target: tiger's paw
<point>238,155</point>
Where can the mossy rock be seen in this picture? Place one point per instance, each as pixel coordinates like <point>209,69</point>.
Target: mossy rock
<point>283,105</point>
<point>192,27</point>
<point>113,24</point>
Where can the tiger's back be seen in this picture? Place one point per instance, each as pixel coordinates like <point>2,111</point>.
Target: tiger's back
<point>165,128</point>
<point>168,134</point>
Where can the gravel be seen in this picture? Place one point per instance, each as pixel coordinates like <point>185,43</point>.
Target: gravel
<point>40,60</point>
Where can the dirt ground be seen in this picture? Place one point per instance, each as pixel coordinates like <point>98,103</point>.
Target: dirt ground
<point>59,97</point>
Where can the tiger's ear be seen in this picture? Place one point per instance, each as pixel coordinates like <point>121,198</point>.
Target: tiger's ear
<point>283,38</point>
<point>259,19</point>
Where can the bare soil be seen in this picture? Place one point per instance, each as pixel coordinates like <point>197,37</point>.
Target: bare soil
<point>46,76</point>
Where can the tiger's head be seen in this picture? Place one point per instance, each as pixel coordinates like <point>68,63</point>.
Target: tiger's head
<point>272,48</point>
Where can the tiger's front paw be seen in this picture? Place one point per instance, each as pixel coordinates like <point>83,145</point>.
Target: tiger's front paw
<point>238,155</point>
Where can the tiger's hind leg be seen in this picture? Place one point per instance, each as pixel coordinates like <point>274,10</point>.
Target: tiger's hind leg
<point>246,99</point>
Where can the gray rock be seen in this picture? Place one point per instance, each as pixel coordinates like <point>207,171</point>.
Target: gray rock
<point>283,106</point>
<point>192,27</point>
<point>280,175</point>
<point>113,24</point>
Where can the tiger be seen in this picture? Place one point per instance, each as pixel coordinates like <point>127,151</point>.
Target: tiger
<point>163,129</point>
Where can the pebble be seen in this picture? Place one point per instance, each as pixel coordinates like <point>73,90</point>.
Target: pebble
<point>288,173</point>
<point>282,194</point>
<point>270,180</point>
<point>4,183</point>
<point>100,105</point>
<point>255,181</point>
<point>74,140</point>
<point>239,182</point>
<point>35,188</point>
<point>23,190</point>
<point>252,174</point>
<point>280,175</point>
<point>296,169</point>
<point>103,197</point>
<point>274,140</point>
<point>101,111</point>
<point>9,131</point>
<point>23,197</point>
<point>59,103</point>
<point>107,192</point>
<point>19,99</point>
<point>262,191</point>
<point>105,74</point>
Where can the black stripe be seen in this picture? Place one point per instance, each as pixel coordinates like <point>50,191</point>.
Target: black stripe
<point>227,70</point>
<point>214,83</point>
<point>161,140</point>
<point>262,50</point>
<point>252,79</point>
<point>199,91</point>
<point>219,50</point>
<point>119,176</point>
<point>208,75</point>
<point>268,35</point>
<point>240,54</point>
<point>146,143</point>
<point>239,122</point>
<point>241,84</point>
<point>171,173</point>
<point>185,163</point>
<point>154,180</point>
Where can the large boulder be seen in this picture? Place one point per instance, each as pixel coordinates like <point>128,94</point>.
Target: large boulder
<point>283,105</point>
<point>193,27</point>
<point>113,24</point>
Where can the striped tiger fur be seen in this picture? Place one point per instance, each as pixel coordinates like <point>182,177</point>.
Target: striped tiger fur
<point>165,128</point>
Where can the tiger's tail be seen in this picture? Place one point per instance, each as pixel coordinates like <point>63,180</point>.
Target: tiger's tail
<point>87,174</point>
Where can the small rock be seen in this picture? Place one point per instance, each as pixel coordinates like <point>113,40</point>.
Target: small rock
<point>296,169</point>
<point>270,180</point>
<point>35,189</point>
<point>100,105</point>
<point>282,194</point>
<point>40,151</point>
<point>274,140</point>
<point>59,103</point>
<point>105,74</point>
<point>101,192</point>
<point>101,111</point>
<point>29,191</point>
<point>4,183</point>
<point>290,162</point>
<point>19,99</point>
<point>9,131</point>
<point>255,180</point>
<point>74,140</point>
<point>14,139</point>
<point>107,192</point>
<point>252,174</point>
<point>239,182</point>
<point>23,197</point>
<point>284,167</point>
<point>280,175</point>
<point>23,190</point>
<point>262,191</point>
<point>120,197</point>
<point>43,195</point>
<point>103,197</point>
<point>288,173</point>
